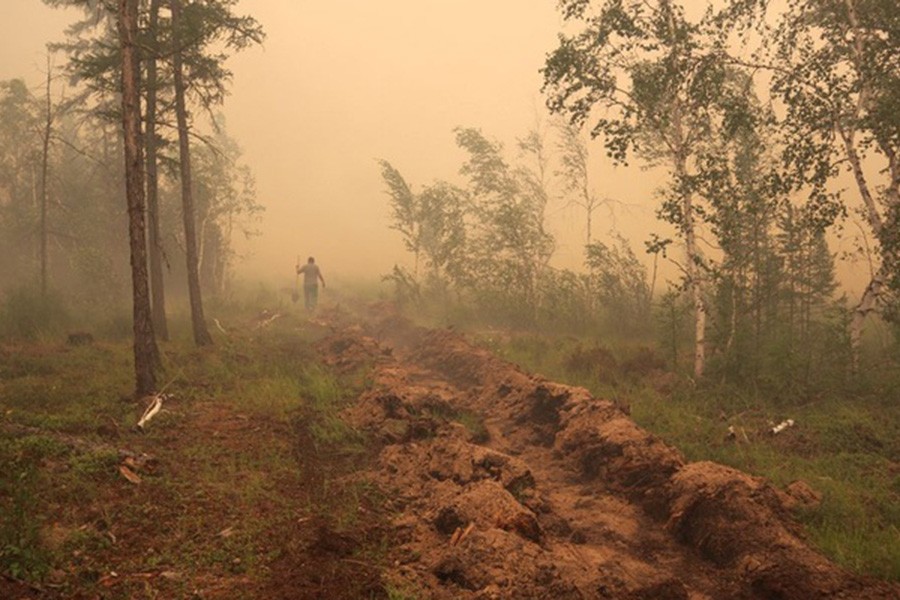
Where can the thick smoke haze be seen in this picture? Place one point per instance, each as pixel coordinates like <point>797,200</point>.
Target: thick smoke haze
<point>338,85</point>
<point>341,84</point>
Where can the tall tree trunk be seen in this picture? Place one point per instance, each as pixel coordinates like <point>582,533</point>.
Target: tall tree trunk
<point>201,333</point>
<point>696,287</point>
<point>692,252</point>
<point>146,354</point>
<point>867,303</point>
<point>869,300</point>
<point>694,257</point>
<point>45,172</point>
<point>157,284</point>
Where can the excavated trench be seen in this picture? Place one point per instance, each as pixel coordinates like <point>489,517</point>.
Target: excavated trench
<point>511,486</point>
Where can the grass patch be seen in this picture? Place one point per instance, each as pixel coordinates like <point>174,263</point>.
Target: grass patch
<point>249,447</point>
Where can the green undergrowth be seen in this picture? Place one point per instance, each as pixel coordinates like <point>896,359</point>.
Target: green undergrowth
<point>845,445</point>
<point>249,447</point>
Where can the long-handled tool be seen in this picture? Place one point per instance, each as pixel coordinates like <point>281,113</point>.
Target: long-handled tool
<point>295,295</point>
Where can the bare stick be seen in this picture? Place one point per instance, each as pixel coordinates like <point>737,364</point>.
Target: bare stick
<point>216,321</point>
<point>151,411</point>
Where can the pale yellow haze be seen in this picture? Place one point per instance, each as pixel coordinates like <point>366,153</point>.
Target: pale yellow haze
<point>339,84</point>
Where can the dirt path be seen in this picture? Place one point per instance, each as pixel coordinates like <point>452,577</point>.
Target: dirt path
<point>511,486</point>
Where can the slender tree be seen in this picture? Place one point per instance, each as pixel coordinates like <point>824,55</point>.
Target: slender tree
<point>574,171</point>
<point>146,354</point>
<point>45,175</point>
<point>198,321</point>
<point>225,198</point>
<point>20,151</point>
<point>533,175</point>
<point>432,225</point>
<point>157,282</point>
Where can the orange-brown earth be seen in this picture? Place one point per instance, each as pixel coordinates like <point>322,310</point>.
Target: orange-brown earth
<point>548,492</point>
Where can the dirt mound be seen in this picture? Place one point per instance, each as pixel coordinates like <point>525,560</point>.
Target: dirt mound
<point>563,496</point>
<point>603,444</point>
<point>742,522</point>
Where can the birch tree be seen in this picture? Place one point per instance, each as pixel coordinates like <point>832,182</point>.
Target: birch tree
<point>837,71</point>
<point>649,82</point>
<point>509,243</point>
<point>226,205</point>
<point>432,225</point>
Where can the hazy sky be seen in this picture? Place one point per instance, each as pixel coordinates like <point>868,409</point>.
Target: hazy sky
<point>342,83</point>
<point>339,84</point>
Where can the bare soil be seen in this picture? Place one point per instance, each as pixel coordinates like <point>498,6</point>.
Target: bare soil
<point>505,485</point>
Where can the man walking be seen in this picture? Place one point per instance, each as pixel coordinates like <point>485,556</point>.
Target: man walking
<point>311,277</point>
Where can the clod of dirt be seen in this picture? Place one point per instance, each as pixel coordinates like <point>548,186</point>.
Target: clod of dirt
<point>487,504</point>
<point>801,495</point>
<point>350,350</point>
<point>452,569</point>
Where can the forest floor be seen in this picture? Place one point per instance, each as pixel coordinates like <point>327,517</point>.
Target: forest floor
<point>360,456</point>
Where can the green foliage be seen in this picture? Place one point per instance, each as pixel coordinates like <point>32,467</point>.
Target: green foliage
<point>96,464</point>
<point>88,233</point>
<point>407,291</point>
<point>432,226</point>
<point>21,554</point>
<point>618,282</point>
<point>225,201</point>
<point>565,302</point>
<point>509,246</point>
<point>278,396</point>
<point>673,327</point>
<point>487,252</point>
